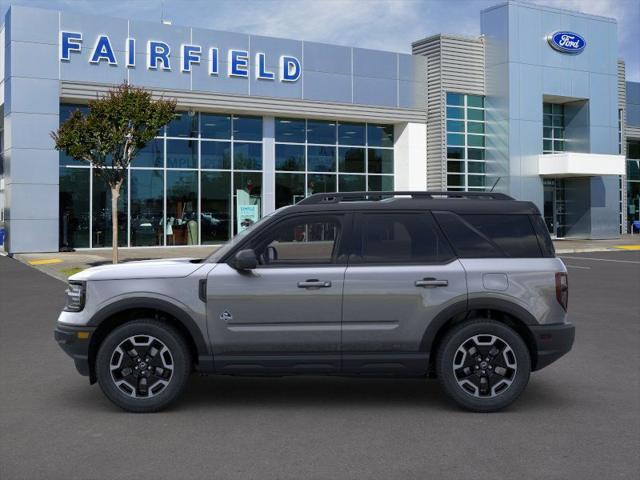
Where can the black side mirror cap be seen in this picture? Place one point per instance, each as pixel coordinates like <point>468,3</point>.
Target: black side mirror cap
<point>245,260</point>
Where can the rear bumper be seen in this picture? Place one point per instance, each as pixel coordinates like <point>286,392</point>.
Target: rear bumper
<point>552,342</point>
<point>75,345</point>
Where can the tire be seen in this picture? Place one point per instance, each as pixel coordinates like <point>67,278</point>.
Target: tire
<point>158,351</point>
<point>461,369</point>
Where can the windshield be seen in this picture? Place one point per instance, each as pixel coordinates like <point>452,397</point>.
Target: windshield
<point>226,247</point>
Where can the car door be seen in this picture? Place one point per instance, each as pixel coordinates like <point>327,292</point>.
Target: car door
<point>284,315</point>
<point>401,274</point>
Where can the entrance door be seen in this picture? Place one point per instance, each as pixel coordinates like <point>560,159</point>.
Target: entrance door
<point>555,206</point>
<point>284,315</point>
<point>401,275</point>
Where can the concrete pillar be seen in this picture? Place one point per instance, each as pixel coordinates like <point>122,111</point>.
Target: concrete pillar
<point>410,156</point>
<point>31,111</point>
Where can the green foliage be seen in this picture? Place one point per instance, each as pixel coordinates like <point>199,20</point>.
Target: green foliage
<point>117,126</point>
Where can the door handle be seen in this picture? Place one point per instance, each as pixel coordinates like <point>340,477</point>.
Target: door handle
<point>431,283</point>
<point>313,283</point>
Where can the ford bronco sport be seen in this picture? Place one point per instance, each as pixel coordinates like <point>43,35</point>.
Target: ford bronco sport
<point>462,286</point>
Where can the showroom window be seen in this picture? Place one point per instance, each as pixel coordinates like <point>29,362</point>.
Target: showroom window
<point>315,156</point>
<point>552,128</point>
<point>465,130</point>
<point>184,188</point>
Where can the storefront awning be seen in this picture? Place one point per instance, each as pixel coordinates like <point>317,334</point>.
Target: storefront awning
<point>573,164</point>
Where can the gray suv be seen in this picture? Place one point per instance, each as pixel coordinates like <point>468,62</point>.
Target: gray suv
<point>460,286</point>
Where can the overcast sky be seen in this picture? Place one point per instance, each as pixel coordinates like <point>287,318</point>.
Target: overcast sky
<point>379,24</point>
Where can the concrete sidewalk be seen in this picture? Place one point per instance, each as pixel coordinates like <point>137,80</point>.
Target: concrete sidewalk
<point>64,264</point>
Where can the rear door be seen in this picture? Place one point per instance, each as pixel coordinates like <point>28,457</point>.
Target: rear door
<point>401,274</point>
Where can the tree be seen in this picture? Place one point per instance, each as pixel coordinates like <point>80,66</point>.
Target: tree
<point>117,126</point>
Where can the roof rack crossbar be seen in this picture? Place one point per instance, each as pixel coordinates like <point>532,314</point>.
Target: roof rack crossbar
<point>364,196</point>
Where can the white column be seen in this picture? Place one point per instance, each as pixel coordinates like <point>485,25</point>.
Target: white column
<point>268,165</point>
<point>410,156</point>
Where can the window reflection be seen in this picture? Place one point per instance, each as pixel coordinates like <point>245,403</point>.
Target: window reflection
<point>289,188</point>
<point>74,207</point>
<point>215,155</point>
<point>182,207</point>
<point>182,153</point>
<point>147,188</point>
<point>215,207</point>
<point>102,230</point>
<point>184,124</point>
<point>215,126</point>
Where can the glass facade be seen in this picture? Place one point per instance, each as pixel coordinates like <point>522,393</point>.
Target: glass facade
<point>552,128</point>
<point>314,156</point>
<point>185,186</point>
<point>633,182</point>
<point>465,130</point>
<point>181,189</point>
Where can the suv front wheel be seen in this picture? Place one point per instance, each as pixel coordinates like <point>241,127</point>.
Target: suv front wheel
<point>143,365</point>
<point>483,365</point>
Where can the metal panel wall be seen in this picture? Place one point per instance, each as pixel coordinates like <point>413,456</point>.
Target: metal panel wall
<point>454,64</point>
<point>78,91</point>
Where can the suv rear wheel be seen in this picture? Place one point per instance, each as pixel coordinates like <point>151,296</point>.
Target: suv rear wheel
<point>483,365</point>
<point>143,365</point>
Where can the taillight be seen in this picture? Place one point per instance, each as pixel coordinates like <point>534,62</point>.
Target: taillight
<point>562,289</point>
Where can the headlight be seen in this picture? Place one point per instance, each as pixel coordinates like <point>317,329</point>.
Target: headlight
<point>75,297</point>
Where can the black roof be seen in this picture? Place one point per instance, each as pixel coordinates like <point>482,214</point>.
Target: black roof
<point>458,202</point>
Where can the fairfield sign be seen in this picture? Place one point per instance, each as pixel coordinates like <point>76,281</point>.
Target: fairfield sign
<point>159,56</point>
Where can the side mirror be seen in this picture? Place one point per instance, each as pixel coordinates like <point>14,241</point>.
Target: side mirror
<point>245,260</point>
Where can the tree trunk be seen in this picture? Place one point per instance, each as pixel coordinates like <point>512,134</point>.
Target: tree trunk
<point>115,194</point>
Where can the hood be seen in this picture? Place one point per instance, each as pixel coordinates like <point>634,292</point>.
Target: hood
<point>164,268</point>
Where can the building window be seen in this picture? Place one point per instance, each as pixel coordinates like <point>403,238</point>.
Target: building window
<point>553,128</point>
<point>465,130</point>
<point>314,156</point>
<point>183,187</point>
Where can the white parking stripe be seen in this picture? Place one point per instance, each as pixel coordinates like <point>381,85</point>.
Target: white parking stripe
<point>601,259</point>
<point>576,266</point>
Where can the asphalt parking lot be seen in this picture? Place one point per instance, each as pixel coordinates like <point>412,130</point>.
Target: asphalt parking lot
<point>579,418</point>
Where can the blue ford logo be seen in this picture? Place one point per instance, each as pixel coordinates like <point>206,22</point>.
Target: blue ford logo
<point>567,42</point>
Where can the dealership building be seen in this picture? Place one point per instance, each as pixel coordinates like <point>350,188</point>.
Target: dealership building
<point>536,107</point>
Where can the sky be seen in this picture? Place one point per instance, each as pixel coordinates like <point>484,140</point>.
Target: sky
<point>378,24</point>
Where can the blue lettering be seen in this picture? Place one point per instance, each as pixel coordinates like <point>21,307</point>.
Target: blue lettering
<point>131,52</point>
<point>103,51</point>
<point>261,68</point>
<point>238,63</point>
<point>158,52</point>
<point>213,61</point>
<point>290,70</point>
<point>69,42</point>
<point>190,55</point>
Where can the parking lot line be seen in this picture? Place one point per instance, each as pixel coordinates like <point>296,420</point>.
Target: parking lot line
<point>627,247</point>
<point>603,260</point>
<point>576,266</point>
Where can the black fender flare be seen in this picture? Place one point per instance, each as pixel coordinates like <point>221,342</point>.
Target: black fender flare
<point>155,304</point>
<point>464,307</point>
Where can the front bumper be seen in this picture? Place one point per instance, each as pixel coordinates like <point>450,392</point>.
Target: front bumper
<point>552,342</point>
<point>75,343</point>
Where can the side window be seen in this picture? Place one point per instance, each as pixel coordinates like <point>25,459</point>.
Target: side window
<point>513,234</point>
<point>544,240</point>
<point>467,241</point>
<point>490,236</point>
<point>392,238</point>
<point>302,240</point>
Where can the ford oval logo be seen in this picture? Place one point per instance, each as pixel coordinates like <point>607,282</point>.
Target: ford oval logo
<point>567,42</point>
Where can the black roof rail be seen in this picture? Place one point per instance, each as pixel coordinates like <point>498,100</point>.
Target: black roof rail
<point>364,196</point>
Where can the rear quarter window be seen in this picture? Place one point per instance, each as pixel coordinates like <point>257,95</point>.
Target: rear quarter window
<point>490,236</point>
